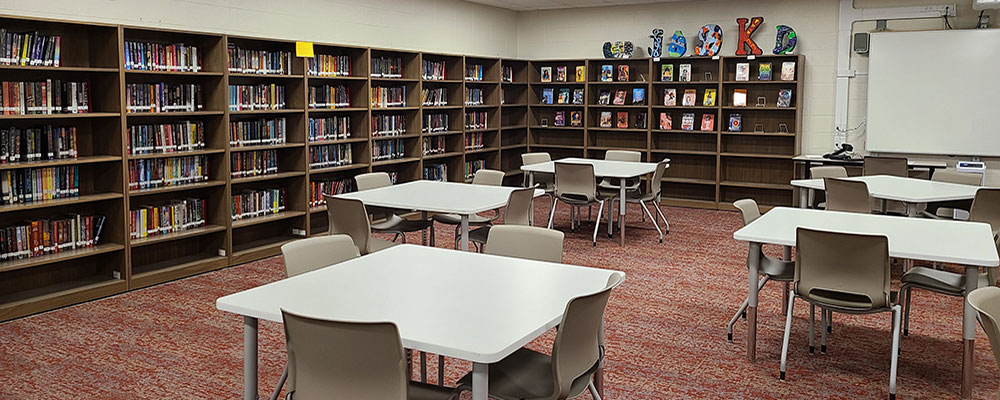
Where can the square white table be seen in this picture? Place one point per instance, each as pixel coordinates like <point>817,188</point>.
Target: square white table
<point>621,170</point>
<point>909,191</point>
<point>493,306</point>
<point>439,197</point>
<point>959,242</point>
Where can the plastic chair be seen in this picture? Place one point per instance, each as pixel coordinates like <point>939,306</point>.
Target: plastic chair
<point>313,253</point>
<point>826,171</point>
<point>393,223</point>
<point>847,195</point>
<point>517,212</point>
<point>577,186</point>
<point>986,301</point>
<point>527,242</point>
<point>946,209</point>
<point>349,216</point>
<point>651,196</point>
<point>482,177</point>
<point>544,181</point>
<point>894,166</point>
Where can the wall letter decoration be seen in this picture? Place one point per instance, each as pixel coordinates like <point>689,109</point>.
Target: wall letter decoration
<point>657,49</point>
<point>746,32</point>
<point>710,37</point>
<point>678,45</point>
<point>781,46</point>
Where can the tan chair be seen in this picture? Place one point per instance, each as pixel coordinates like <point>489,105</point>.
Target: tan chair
<point>821,172</point>
<point>517,212</point>
<point>985,208</point>
<point>847,195</point>
<point>986,301</point>
<point>544,181</point>
<point>577,187</point>
<point>392,223</point>
<point>349,216</point>
<point>349,360</point>
<point>527,242</point>
<point>651,196</point>
<point>576,354</point>
<point>631,185</point>
<point>946,209</point>
<point>846,273</point>
<point>771,269</point>
<point>313,253</point>
<point>895,166</point>
<point>482,177</point>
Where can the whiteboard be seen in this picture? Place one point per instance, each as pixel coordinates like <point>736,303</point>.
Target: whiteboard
<point>935,92</point>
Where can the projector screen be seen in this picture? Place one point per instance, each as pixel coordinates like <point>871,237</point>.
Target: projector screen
<point>935,92</point>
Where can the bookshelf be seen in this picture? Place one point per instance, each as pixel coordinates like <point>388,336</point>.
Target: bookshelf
<point>296,147</point>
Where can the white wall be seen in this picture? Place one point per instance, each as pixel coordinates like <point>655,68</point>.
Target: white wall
<point>451,26</point>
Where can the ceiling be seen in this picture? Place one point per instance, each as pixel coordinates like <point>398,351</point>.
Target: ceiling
<point>529,5</point>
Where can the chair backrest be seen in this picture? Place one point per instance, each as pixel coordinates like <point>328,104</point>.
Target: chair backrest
<point>576,180</point>
<point>656,184</point>
<point>535,158</point>
<point>986,300</point>
<point>373,180</point>
<point>952,176</point>
<point>847,195</point>
<point>986,207</point>
<point>844,270</point>
<point>354,360</point>
<point>313,253</point>
<point>828,171</point>
<point>528,242</point>
<point>518,208</point>
<point>895,166</point>
<point>749,209</point>
<point>623,155</point>
<point>349,216</point>
<point>576,350</point>
<point>490,177</point>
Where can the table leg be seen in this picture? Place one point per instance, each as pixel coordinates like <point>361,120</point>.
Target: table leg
<point>804,197</point>
<point>754,261</point>
<point>480,381</point>
<point>786,255</point>
<point>465,233</point>
<point>969,333</point>
<point>911,210</point>
<point>423,233</point>
<point>531,215</point>
<point>249,358</point>
<point>621,209</point>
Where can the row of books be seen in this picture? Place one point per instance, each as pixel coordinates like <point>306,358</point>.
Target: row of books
<point>37,184</point>
<point>476,120</point>
<point>690,97</point>
<point>638,97</point>
<point>434,97</point>
<point>166,137</point>
<point>256,203</point>
<point>175,57</point>
<point>388,125</point>
<point>474,97</point>
<point>246,61</point>
<point>608,72</point>
<point>564,96</point>
<point>161,219</point>
<point>29,48</point>
<point>253,163</point>
<point>545,74</point>
<point>433,70</point>
<point>474,141</point>
<point>332,128</point>
<point>33,144</point>
<point>41,237</point>
<point>433,145</point>
<point>388,150</point>
<point>435,123</point>
<point>256,97</point>
<point>472,166</point>
<point>329,96</point>
<point>330,155</point>
<point>387,67</point>
<point>436,172</point>
<point>258,132</point>
<point>507,74</point>
<point>764,71</point>
<point>318,188</point>
<point>328,65</point>
<point>575,118</point>
<point>163,97</point>
<point>163,172</point>
<point>474,72</point>
<point>387,96</point>
<point>51,96</point>
<point>620,120</point>
<point>687,121</point>
<point>784,98</point>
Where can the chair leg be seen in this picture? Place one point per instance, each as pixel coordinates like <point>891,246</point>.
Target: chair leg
<point>829,322</point>
<point>822,330</point>
<point>906,310</point>
<point>666,225</point>
<point>593,391</point>
<point>590,210</point>
<point>652,219</point>
<point>552,211</point>
<point>597,225</point>
<point>812,328</point>
<point>788,331</point>
<point>896,310</point>
<point>743,308</point>
<point>281,383</point>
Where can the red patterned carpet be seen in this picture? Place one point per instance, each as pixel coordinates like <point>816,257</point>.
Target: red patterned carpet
<point>665,325</point>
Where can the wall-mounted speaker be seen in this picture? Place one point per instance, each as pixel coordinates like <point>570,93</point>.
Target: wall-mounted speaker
<point>861,42</point>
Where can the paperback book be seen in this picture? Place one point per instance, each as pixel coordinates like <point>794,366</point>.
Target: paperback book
<point>576,118</point>
<point>619,97</point>
<point>784,97</point>
<point>607,73</point>
<point>560,118</point>
<point>788,71</point>
<point>623,73</point>
<point>605,119</point>
<point>708,122</point>
<point>640,120</point>
<point>622,119</point>
<point>764,71</point>
<point>735,123</point>
<point>578,96</point>
<point>670,97</point>
<point>547,96</point>
<point>639,96</point>
<point>709,98</point>
<point>667,73</point>
<point>563,96</point>
<point>739,97</point>
<point>666,123</point>
<point>546,74</point>
<point>561,73</point>
<point>687,121</point>
<point>689,97</point>
<point>742,71</point>
<point>604,98</point>
<point>581,73</point>
<point>685,73</point>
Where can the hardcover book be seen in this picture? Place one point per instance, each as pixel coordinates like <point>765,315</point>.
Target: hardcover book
<point>788,71</point>
<point>670,97</point>
<point>689,97</point>
<point>735,123</point>
<point>623,119</point>
<point>547,96</point>
<point>667,73</point>
<point>560,118</point>
<point>605,119</point>
<point>564,96</point>
<point>546,74</point>
<point>640,120</point>
<point>764,71</point>
<point>739,97</point>
<point>687,121</point>
<point>581,73</point>
<point>620,97</point>
<point>784,97</point>
<point>605,97</point>
<point>607,73</point>
<point>666,123</point>
<point>623,73</point>
<point>578,96</point>
<point>742,71</point>
<point>685,73</point>
<point>709,99</point>
<point>639,96</point>
<point>561,73</point>
<point>708,122</point>
<point>576,118</point>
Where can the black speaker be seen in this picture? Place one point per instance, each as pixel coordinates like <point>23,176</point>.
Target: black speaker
<point>861,43</point>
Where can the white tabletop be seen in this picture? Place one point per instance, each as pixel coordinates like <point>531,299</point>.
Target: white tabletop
<point>909,190</point>
<point>602,168</point>
<point>491,305</point>
<point>912,163</point>
<point>959,242</point>
<point>435,196</point>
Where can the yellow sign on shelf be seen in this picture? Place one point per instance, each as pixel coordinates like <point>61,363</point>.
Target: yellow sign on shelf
<point>303,49</point>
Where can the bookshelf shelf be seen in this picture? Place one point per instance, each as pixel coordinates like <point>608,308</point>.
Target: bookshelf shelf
<point>82,199</point>
<point>61,116</point>
<point>176,154</point>
<point>55,163</point>
<point>178,188</point>
<point>57,69</point>
<point>30,301</point>
<point>336,110</point>
<point>442,133</point>
<point>267,147</point>
<point>258,249</point>
<point>268,177</point>
<point>336,78</point>
<point>264,76</point>
<point>406,136</point>
<point>683,132</point>
<point>678,83</point>
<point>749,108</point>
<point>338,168</point>
<point>395,161</point>
<point>266,112</point>
<point>172,73</point>
<point>204,230</point>
<point>163,271</point>
<point>338,141</point>
<point>757,185</point>
<point>755,82</point>
<point>693,181</point>
<point>753,155</point>
<point>59,257</point>
<point>174,114</point>
<point>243,223</point>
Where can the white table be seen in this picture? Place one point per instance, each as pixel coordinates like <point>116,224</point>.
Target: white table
<point>959,242</point>
<point>493,306</point>
<point>810,159</point>
<point>909,191</point>
<point>439,197</point>
<point>621,170</point>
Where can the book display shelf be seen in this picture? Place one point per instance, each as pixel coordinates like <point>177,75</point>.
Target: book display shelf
<point>133,156</point>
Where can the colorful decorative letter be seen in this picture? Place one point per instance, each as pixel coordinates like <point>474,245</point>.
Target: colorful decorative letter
<point>710,37</point>
<point>745,36</point>
<point>780,45</point>
<point>678,45</point>
<point>657,50</point>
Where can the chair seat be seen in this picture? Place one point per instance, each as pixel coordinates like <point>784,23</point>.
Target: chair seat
<point>776,269</point>
<point>455,219</point>
<point>941,281</point>
<point>376,244</point>
<point>848,304</point>
<point>525,374</point>
<point>395,223</point>
<point>607,185</point>
<point>479,235</point>
<point>423,391</point>
<point>580,200</point>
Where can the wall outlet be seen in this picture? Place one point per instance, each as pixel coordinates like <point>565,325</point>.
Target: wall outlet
<point>298,232</point>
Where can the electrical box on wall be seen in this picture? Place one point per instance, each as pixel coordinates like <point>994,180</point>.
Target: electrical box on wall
<point>861,42</point>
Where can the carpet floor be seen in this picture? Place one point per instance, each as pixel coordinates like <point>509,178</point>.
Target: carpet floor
<point>666,335</point>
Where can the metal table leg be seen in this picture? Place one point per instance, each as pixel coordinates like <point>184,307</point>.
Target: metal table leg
<point>465,233</point>
<point>969,333</point>
<point>531,215</point>
<point>785,256</point>
<point>804,197</point>
<point>480,381</point>
<point>249,358</point>
<point>621,209</point>
<point>754,261</point>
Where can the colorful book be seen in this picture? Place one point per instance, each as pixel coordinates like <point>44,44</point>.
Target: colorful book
<point>623,73</point>
<point>708,122</point>
<point>640,120</point>
<point>605,119</point>
<point>687,121</point>
<point>788,71</point>
<point>560,118</point>
<point>563,96</point>
<point>581,73</point>
<point>742,71</point>
<point>666,123</point>
<point>561,73</point>
<point>576,118</point>
<point>739,97</point>
<point>685,73</point>
<point>546,74</point>
<point>623,119</point>
<point>578,96</point>
<point>639,96</point>
<point>667,73</point>
<point>607,73</point>
<point>689,97</point>
<point>784,97</point>
<point>604,98</point>
<point>619,97</point>
<point>670,97</point>
<point>735,123</point>
<point>709,99</point>
<point>764,71</point>
<point>547,96</point>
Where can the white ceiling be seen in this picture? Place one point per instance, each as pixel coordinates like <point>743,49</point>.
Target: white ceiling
<point>529,5</point>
